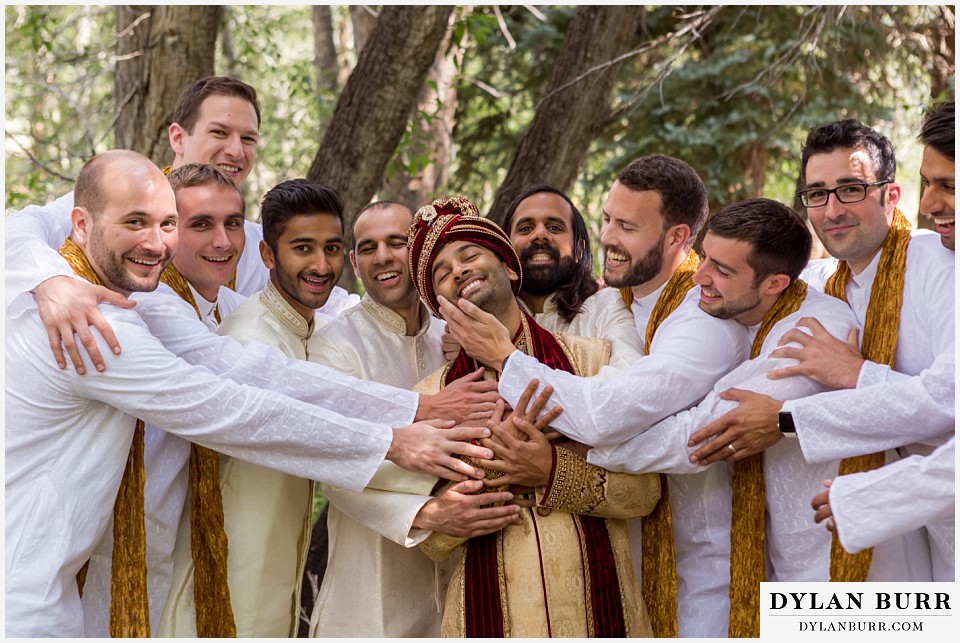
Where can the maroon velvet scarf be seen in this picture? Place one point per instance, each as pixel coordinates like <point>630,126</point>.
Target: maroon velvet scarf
<point>482,566</point>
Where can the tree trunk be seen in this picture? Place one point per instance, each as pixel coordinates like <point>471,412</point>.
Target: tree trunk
<point>431,141</point>
<point>375,105</point>
<point>363,18</point>
<point>160,50</point>
<point>324,51</point>
<point>575,105</point>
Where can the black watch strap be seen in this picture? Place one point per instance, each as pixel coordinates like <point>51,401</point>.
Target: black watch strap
<point>786,425</point>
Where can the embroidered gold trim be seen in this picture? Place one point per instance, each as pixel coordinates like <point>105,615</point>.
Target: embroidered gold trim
<point>285,313</point>
<point>578,487</point>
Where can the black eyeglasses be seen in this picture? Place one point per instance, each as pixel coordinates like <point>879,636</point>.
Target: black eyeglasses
<point>847,193</point>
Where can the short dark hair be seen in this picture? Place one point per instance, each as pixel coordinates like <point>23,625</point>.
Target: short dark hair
<point>938,129</point>
<point>850,134</point>
<point>187,110</point>
<point>196,174</point>
<point>571,295</point>
<point>382,204</point>
<point>294,198</point>
<point>780,240</point>
<point>683,197</point>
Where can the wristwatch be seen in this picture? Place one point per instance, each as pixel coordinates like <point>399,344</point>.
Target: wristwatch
<point>785,424</point>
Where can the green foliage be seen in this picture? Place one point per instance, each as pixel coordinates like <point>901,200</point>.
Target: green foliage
<point>58,78</point>
<point>273,48</point>
<point>489,127</point>
<point>744,92</point>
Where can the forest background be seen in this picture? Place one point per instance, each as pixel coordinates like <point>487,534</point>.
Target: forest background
<point>415,102</point>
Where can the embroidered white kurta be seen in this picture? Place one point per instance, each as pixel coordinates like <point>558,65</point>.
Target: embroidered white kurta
<point>690,351</point>
<point>68,436</point>
<point>378,583</point>
<point>918,416</point>
<point>603,315</point>
<point>266,512</point>
<point>797,549</point>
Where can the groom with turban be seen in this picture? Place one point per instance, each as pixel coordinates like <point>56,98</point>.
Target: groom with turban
<point>565,569</point>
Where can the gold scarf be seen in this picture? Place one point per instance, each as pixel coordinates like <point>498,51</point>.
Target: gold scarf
<point>880,332</point>
<point>208,540</point>
<point>747,554</point>
<point>658,560</point>
<point>129,602</point>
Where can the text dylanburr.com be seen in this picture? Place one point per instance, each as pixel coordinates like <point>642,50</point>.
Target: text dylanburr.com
<point>910,611</point>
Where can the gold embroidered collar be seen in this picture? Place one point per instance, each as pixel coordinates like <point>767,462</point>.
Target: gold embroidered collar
<point>285,313</point>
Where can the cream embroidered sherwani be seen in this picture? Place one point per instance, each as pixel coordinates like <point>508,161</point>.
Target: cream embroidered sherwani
<point>543,585</point>
<point>887,411</point>
<point>378,583</point>
<point>266,512</point>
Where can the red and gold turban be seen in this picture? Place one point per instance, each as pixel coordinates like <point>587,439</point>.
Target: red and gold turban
<point>446,220</point>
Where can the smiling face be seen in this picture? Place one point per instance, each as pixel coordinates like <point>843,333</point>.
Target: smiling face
<point>307,260</point>
<point>211,236</point>
<point>225,134</point>
<point>466,269</point>
<point>132,239</point>
<point>937,202</point>
<point>852,232</point>
<point>541,232</point>
<point>380,256</point>
<point>728,288</point>
<point>632,236</point>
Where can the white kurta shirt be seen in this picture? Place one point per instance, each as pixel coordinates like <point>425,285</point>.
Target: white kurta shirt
<point>378,583</point>
<point>798,549</point>
<point>885,412</point>
<point>876,506</point>
<point>31,236</point>
<point>603,315</point>
<point>690,351</point>
<point>68,436</point>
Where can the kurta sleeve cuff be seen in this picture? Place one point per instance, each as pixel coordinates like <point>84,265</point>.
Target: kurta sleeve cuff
<point>575,486</point>
<point>872,373</point>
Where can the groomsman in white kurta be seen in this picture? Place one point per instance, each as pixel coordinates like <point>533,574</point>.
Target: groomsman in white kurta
<point>267,513</point>
<point>65,459</point>
<point>907,408</point>
<point>378,583</point>
<point>752,252</point>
